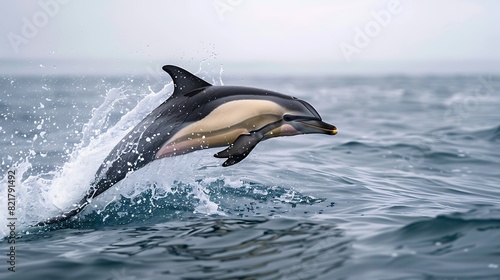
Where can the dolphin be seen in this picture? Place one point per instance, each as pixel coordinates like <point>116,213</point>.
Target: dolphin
<point>199,116</point>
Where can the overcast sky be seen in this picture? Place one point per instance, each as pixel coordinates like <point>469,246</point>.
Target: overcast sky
<point>311,36</point>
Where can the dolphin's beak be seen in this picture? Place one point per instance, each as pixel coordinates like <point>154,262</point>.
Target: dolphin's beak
<point>316,126</point>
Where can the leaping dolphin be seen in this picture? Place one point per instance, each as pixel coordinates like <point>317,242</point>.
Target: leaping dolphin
<point>200,116</point>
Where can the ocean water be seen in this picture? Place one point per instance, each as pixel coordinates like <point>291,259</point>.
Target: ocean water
<point>408,189</point>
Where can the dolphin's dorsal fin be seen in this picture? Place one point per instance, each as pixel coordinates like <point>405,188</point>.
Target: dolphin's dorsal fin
<point>184,82</point>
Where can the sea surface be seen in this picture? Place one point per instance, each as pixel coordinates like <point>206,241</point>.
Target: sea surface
<point>408,189</point>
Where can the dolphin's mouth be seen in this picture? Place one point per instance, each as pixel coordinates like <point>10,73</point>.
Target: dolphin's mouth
<point>320,126</point>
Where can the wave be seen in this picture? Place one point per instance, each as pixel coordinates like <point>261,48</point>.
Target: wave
<point>457,245</point>
<point>243,248</point>
<point>442,225</point>
<point>486,134</point>
<point>422,151</point>
<point>431,233</point>
<point>491,134</point>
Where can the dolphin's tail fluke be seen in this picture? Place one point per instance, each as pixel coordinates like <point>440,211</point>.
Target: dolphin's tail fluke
<point>65,216</point>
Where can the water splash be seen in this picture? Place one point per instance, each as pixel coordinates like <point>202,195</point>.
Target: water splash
<point>46,194</point>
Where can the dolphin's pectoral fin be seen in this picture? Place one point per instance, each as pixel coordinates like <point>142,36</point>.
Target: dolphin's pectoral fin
<point>240,149</point>
<point>244,144</point>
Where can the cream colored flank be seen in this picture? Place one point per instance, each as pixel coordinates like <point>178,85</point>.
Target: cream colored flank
<point>224,124</point>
